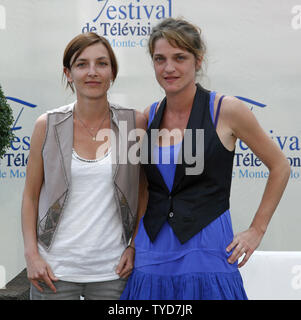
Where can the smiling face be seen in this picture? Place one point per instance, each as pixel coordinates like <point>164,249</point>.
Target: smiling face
<point>91,72</point>
<point>175,68</point>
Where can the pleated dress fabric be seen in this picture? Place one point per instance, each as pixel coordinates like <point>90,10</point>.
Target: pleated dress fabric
<point>196,270</point>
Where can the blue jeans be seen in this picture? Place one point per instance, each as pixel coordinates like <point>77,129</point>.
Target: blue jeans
<point>105,290</point>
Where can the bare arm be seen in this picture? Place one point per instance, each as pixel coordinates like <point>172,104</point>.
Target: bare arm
<point>126,263</point>
<point>142,203</point>
<point>143,184</point>
<point>37,268</point>
<point>245,127</point>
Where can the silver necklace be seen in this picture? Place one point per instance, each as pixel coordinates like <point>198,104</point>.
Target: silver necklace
<point>91,134</point>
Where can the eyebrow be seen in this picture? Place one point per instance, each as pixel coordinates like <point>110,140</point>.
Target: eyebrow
<point>99,58</point>
<point>175,54</point>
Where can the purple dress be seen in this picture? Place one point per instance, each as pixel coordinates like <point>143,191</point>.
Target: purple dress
<point>196,270</point>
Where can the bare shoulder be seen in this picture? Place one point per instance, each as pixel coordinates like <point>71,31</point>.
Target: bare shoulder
<point>233,106</point>
<point>146,112</point>
<point>236,114</point>
<point>39,131</point>
<point>141,120</point>
<point>243,124</point>
<point>41,121</point>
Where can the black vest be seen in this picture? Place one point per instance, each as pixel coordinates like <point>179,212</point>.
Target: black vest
<point>195,200</point>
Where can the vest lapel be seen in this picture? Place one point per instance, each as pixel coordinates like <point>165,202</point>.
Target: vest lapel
<point>64,140</point>
<point>194,121</point>
<point>115,143</point>
<point>152,134</point>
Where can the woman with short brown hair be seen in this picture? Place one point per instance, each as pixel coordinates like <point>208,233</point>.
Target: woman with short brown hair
<point>78,212</point>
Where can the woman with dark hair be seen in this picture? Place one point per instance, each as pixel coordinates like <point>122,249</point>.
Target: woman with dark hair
<point>185,247</point>
<point>78,211</point>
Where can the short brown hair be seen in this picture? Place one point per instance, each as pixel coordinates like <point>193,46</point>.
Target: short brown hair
<point>180,33</point>
<point>78,44</point>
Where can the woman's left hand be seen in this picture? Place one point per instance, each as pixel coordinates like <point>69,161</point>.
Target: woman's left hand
<point>126,263</point>
<point>244,243</point>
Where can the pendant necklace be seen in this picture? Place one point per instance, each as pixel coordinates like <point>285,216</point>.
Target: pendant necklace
<point>91,134</point>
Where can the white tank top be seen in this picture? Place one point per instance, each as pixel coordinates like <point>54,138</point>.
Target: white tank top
<point>88,242</point>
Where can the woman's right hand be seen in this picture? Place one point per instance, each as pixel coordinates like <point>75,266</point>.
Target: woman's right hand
<point>39,271</point>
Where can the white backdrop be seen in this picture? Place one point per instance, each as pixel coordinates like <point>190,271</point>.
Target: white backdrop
<point>253,51</point>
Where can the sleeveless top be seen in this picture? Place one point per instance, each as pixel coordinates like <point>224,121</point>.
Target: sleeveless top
<point>88,241</point>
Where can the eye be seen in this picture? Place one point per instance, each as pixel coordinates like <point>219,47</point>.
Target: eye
<point>102,63</point>
<point>180,58</point>
<point>158,59</point>
<point>80,64</point>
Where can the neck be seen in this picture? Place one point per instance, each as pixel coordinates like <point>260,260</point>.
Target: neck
<point>181,101</point>
<point>91,109</point>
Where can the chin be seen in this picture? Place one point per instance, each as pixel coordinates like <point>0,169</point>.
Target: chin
<point>176,88</point>
<point>94,94</point>
<point>172,88</point>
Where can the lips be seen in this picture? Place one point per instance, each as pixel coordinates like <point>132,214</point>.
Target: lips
<point>92,83</point>
<point>171,79</point>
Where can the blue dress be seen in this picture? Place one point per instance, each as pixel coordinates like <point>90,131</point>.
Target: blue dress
<point>196,270</point>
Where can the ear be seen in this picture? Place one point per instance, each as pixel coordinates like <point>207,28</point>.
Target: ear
<point>198,63</point>
<point>68,74</point>
<point>112,78</point>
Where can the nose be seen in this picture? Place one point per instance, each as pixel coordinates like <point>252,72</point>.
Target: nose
<point>92,70</point>
<point>169,67</point>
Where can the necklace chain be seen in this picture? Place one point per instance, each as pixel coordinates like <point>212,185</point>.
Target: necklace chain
<point>91,134</point>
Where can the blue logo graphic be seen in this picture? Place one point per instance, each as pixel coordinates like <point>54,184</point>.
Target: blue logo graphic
<point>102,9</point>
<point>135,10</point>
<point>24,103</point>
<point>15,160</point>
<point>253,102</point>
<point>125,23</point>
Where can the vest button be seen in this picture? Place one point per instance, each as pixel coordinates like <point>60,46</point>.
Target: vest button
<point>170,214</point>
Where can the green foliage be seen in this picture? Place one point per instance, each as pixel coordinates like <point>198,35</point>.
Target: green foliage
<point>6,122</point>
